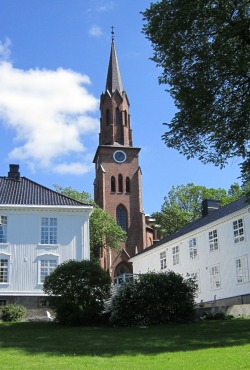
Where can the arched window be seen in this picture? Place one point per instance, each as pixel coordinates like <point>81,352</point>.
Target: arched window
<point>117,116</point>
<point>126,117</point>
<point>113,184</point>
<point>121,217</point>
<point>107,117</point>
<point>120,184</point>
<point>127,185</point>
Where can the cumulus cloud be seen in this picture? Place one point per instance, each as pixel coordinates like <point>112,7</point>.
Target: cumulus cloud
<point>50,114</point>
<point>95,31</point>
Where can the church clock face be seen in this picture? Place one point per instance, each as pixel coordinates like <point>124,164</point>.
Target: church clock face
<point>119,156</point>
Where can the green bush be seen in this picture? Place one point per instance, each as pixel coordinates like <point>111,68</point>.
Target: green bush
<point>77,291</point>
<point>153,299</point>
<point>13,312</point>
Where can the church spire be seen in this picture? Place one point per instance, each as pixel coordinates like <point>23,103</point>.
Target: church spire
<point>114,80</point>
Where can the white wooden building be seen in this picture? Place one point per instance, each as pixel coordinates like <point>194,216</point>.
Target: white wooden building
<point>39,229</point>
<point>214,249</point>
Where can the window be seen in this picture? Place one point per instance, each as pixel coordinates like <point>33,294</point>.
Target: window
<point>176,255</point>
<point>3,302</point>
<point>193,249</point>
<point>4,270</point>
<point>127,185</point>
<point>113,187</point>
<point>49,230</point>
<point>126,117</point>
<point>163,260</point>
<point>121,217</point>
<point>107,117</point>
<point>3,229</point>
<point>213,241</point>
<point>196,276</point>
<point>46,267</point>
<point>215,277</point>
<point>238,230</point>
<point>120,184</point>
<point>117,116</point>
<point>241,269</point>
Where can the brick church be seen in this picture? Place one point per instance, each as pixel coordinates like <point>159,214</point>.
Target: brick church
<point>117,186</point>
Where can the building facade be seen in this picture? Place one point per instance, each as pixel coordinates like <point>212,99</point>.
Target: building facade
<point>214,249</point>
<point>39,229</point>
<point>117,187</point>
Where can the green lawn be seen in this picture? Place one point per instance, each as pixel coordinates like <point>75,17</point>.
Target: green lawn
<point>202,345</point>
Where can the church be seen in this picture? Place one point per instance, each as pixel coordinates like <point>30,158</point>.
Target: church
<point>118,177</point>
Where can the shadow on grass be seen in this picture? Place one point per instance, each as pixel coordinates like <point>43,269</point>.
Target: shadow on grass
<point>50,338</point>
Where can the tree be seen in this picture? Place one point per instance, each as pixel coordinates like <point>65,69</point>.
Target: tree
<point>153,299</point>
<point>203,48</point>
<point>104,232</point>
<point>183,205</point>
<point>77,291</point>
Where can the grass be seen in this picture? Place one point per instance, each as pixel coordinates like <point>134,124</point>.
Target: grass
<point>201,345</point>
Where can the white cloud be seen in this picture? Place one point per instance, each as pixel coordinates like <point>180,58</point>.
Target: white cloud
<point>108,6</point>
<point>73,168</point>
<point>95,31</point>
<point>50,113</point>
<point>5,49</point>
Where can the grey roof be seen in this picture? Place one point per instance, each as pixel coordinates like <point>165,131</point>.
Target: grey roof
<point>114,80</point>
<point>203,221</point>
<point>27,192</point>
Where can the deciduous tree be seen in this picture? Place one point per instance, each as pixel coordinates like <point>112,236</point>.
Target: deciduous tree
<point>203,48</point>
<point>184,202</point>
<point>104,232</point>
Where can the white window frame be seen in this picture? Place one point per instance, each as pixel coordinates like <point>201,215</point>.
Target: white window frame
<point>193,251</point>
<point>163,260</point>
<point>3,229</point>
<point>242,273</point>
<point>238,229</point>
<point>176,255</point>
<point>215,280</point>
<point>213,240</point>
<point>49,230</point>
<point>4,258</point>
<point>49,268</point>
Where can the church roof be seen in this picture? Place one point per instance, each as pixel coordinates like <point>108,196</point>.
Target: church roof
<point>114,80</point>
<point>17,190</point>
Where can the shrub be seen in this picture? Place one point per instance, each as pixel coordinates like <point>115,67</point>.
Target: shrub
<point>13,312</point>
<point>152,299</point>
<point>77,291</point>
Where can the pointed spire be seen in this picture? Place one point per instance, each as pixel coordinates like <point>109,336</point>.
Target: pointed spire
<point>114,81</point>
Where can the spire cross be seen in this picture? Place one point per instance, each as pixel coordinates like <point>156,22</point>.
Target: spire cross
<point>112,33</point>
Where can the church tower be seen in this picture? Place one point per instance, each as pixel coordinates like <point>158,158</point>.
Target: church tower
<point>117,188</point>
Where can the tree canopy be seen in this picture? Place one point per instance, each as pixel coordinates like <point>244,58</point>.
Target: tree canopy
<point>203,48</point>
<point>183,205</point>
<point>103,229</point>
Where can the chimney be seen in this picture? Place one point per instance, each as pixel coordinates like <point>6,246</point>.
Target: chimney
<point>209,206</point>
<point>14,173</point>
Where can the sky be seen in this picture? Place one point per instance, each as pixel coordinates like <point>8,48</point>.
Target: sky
<point>53,66</point>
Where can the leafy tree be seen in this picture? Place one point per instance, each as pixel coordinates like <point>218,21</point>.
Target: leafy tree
<point>153,299</point>
<point>183,205</point>
<point>77,291</point>
<point>203,48</point>
<point>104,232</point>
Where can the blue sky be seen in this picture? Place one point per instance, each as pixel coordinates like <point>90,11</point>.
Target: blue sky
<point>53,65</point>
